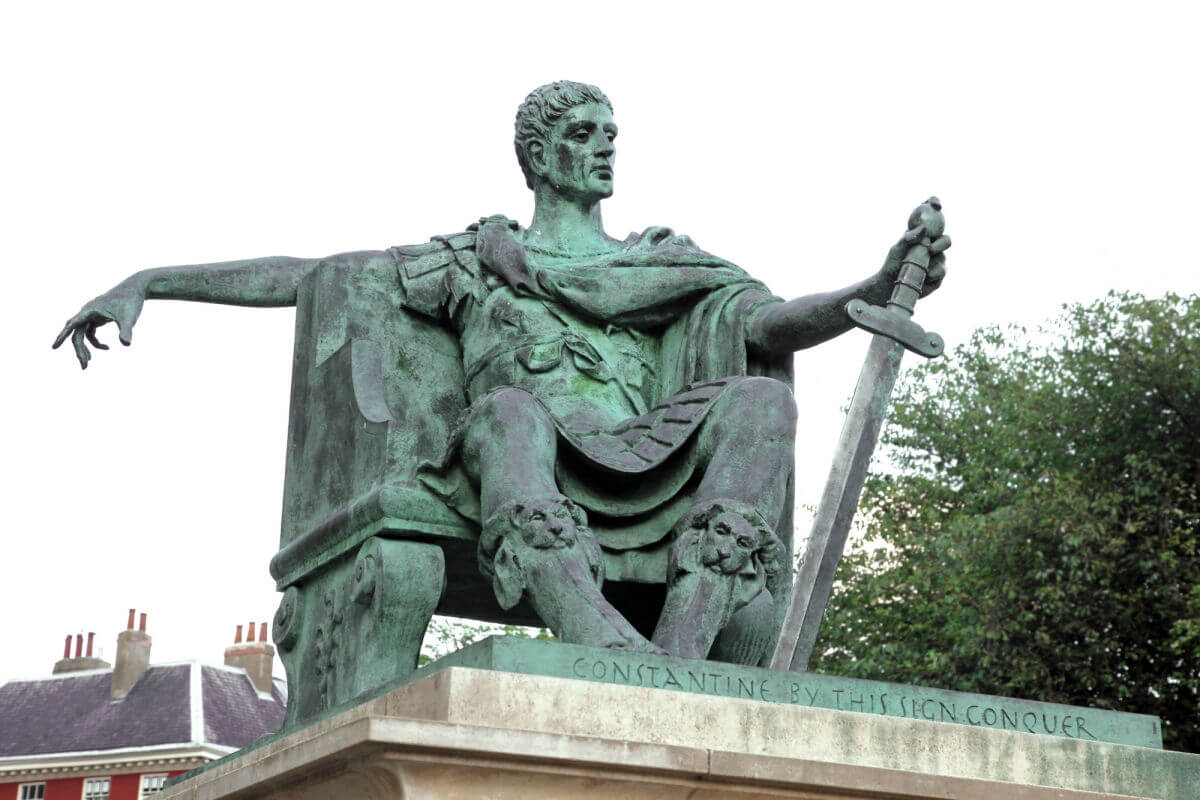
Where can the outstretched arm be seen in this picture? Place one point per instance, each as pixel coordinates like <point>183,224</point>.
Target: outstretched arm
<point>271,281</point>
<point>780,328</point>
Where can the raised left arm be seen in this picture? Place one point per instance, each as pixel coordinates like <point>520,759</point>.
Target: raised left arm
<point>780,328</point>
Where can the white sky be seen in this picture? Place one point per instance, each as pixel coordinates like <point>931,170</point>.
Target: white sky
<point>792,139</point>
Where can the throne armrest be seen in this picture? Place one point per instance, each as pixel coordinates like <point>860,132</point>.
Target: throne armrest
<point>375,391</point>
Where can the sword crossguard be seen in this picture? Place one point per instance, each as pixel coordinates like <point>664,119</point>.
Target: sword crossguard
<point>894,321</point>
<point>897,327</point>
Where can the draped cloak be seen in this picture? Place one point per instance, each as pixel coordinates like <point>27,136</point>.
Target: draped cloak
<point>627,350</point>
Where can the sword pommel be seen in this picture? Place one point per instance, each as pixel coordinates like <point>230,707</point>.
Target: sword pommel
<point>930,215</point>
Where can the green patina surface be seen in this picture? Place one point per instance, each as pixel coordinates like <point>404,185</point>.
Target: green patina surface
<point>599,665</point>
<point>539,425</point>
<point>555,659</point>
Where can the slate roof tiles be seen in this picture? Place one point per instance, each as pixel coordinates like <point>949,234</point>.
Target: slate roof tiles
<point>73,712</point>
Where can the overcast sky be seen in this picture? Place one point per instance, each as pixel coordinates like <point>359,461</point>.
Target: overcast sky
<point>1062,139</point>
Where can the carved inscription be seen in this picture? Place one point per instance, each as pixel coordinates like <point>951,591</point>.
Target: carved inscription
<point>711,679</point>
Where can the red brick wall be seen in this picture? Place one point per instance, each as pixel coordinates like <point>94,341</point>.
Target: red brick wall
<point>64,789</point>
<point>124,787</point>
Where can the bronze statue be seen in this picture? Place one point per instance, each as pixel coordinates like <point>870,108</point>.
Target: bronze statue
<point>606,425</point>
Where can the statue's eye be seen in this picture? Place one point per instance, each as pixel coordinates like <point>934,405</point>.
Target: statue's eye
<point>581,136</point>
<point>537,516</point>
<point>745,541</point>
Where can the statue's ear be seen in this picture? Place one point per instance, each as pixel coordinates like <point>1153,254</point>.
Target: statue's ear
<point>514,515</point>
<point>507,581</point>
<point>535,151</point>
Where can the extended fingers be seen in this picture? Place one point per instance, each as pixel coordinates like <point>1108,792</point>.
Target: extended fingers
<point>81,352</point>
<point>73,323</point>
<point>91,337</point>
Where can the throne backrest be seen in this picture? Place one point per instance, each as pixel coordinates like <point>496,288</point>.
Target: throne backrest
<point>375,391</point>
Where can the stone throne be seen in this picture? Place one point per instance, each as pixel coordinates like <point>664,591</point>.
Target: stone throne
<point>367,553</point>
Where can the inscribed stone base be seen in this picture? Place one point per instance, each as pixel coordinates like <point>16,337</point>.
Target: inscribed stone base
<point>471,733</point>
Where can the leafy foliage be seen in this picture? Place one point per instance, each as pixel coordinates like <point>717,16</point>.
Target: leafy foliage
<point>448,634</point>
<point>1036,533</point>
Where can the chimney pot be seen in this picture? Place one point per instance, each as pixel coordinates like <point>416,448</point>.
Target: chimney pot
<point>133,658</point>
<point>256,657</point>
<point>80,661</point>
<point>237,639</point>
<point>132,613</point>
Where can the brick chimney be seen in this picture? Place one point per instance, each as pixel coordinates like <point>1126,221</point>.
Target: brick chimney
<point>81,660</point>
<point>256,657</point>
<point>133,657</point>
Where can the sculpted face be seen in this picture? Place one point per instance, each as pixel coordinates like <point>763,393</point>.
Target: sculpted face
<point>729,544</point>
<point>546,523</point>
<point>578,158</point>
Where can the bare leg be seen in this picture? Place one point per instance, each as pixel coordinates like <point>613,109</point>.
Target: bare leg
<point>747,446</point>
<point>510,449</point>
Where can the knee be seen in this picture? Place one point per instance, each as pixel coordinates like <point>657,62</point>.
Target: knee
<point>510,407</point>
<point>505,416</point>
<point>763,402</point>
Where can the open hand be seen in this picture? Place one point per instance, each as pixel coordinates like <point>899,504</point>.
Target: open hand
<point>122,305</point>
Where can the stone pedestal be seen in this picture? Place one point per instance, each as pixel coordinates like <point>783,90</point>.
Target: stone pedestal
<point>477,733</point>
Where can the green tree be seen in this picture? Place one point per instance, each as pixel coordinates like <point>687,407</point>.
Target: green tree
<point>445,635</point>
<point>1036,531</point>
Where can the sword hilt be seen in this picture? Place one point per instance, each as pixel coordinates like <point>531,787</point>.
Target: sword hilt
<point>895,321</point>
<point>915,266</point>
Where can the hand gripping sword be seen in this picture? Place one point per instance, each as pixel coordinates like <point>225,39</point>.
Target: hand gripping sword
<point>894,333</point>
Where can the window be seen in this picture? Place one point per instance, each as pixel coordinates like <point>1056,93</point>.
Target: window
<point>96,788</point>
<point>152,784</point>
<point>32,791</point>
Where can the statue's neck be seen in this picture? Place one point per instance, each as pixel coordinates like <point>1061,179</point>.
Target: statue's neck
<point>561,224</point>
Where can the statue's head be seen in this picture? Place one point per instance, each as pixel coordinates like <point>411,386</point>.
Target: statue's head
<point>564,137</point>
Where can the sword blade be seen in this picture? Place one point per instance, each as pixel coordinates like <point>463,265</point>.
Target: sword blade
<point>827,541</point>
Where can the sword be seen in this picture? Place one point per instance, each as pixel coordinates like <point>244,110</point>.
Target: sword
<point>894,332</point>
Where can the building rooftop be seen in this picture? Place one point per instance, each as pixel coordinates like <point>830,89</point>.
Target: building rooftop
<point>170,704</point>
